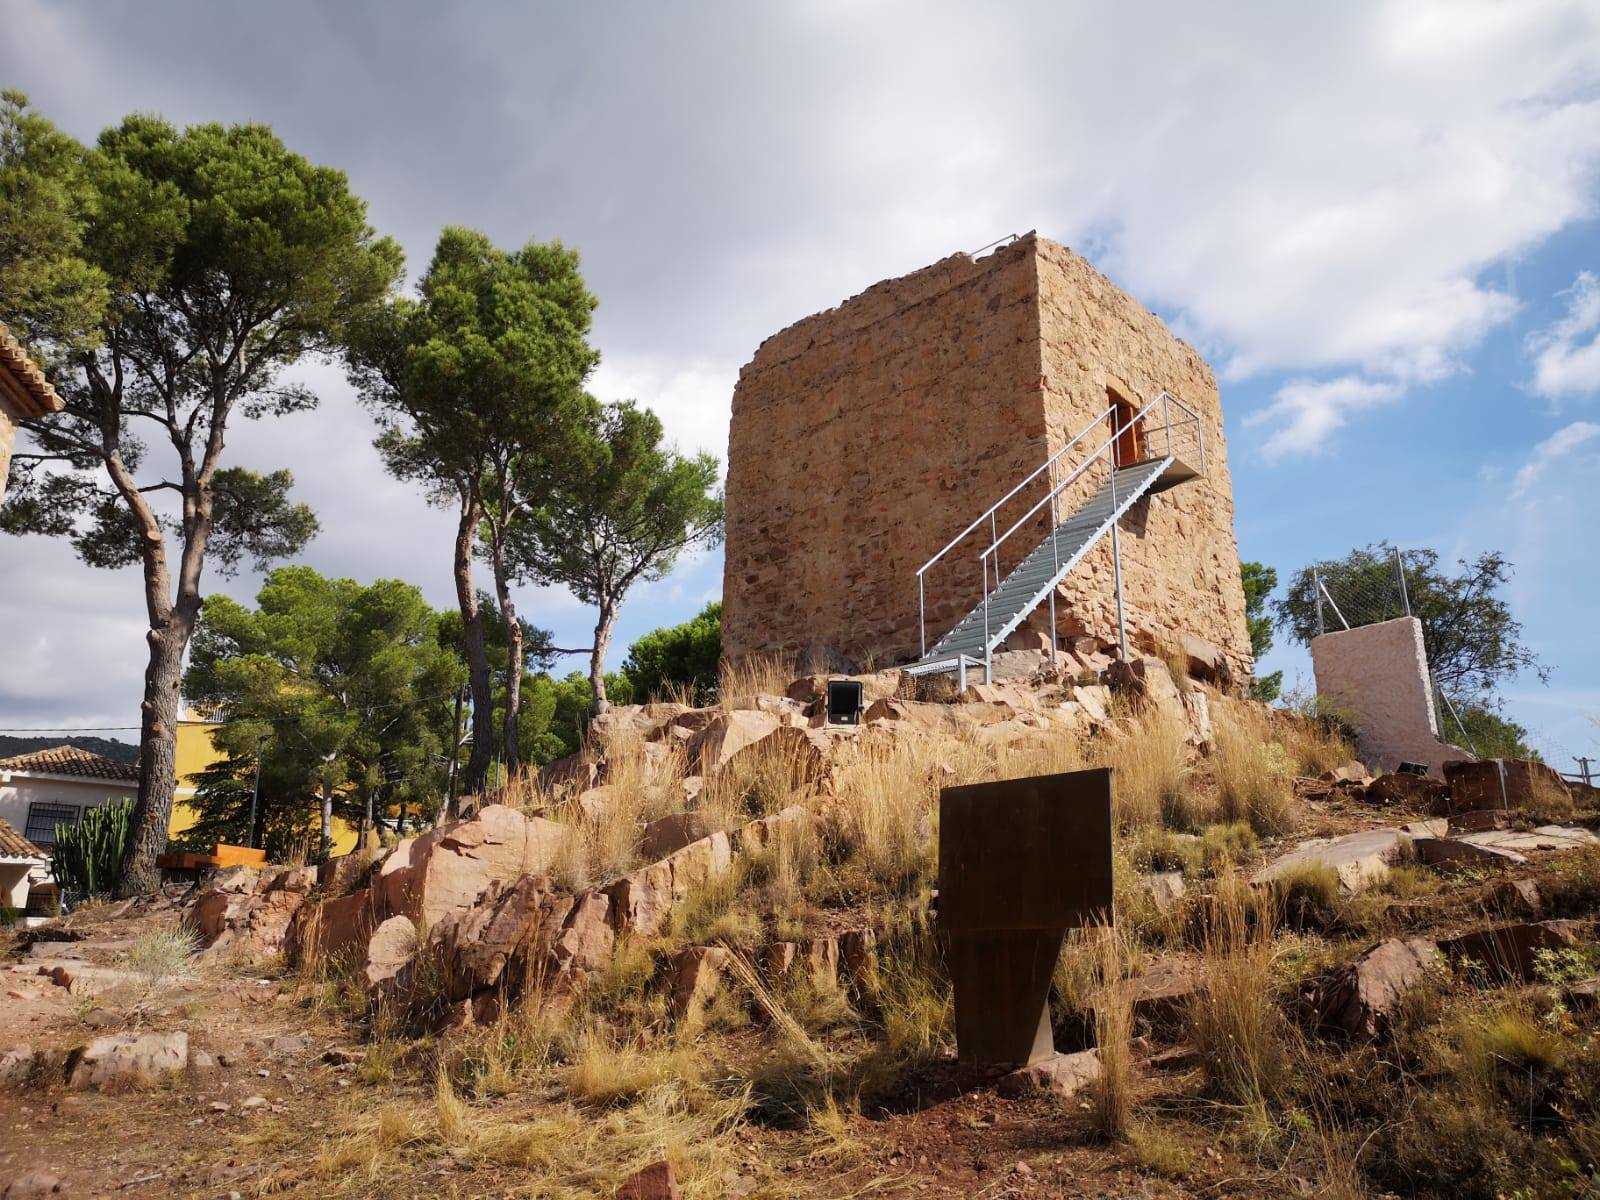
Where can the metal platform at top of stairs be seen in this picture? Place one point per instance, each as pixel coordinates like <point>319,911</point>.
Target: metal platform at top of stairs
<point>1133,461</point>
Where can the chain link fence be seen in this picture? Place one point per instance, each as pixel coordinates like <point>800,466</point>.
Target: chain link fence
<point>1368,593</point>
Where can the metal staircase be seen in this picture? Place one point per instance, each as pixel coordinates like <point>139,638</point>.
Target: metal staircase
<point>1133,461</point>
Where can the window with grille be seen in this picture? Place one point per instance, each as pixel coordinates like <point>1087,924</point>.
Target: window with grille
<point>43,819</point>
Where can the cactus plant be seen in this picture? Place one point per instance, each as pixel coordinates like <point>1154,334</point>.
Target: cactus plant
<point>87,855</point>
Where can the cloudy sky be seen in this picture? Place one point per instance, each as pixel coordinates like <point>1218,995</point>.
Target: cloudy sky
<point>1379,222</point>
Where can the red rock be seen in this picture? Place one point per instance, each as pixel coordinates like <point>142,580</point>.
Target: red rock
<point>586,942</point>
<point>1500,783</point>
<point>696,975</point>
<point>655,1182</point>
<point>442,872</point>
<point>390,950</point>
<point>1511,951</point>
<point>671,833</point>
<point>1518,898</point>
<point>1362,997</point>
<point>1412,791</point>
<point>127,1059</point>
<point>332,930</point>
<point>726,735</point>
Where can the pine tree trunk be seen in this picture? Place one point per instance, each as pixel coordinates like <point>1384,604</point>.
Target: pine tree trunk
<point>597,656</point>
<point>158,741</point>
<point>477,769</point>
<point>514,659</point>
<point>327,821</point>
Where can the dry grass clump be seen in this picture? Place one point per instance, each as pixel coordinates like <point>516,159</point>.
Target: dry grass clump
<point>1571,888</point>
<point>883,827</point>
<point>643,781</point>
<point>1254,774</point>
<point>752,675</point>
<point>1313,732</point>
<point>1242,1037</point>
<point>1111,1096</point>
<point>1310,897</point>
<point>759,781</point>
<point>1150,756</point>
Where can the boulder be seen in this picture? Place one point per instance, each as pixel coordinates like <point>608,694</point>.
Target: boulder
<point>587,939</point>
<point>805,752</point>
<point>575,771</point>
<point>390,950</point>
<point>248,911</point>
<point>1145,681</point>
<point>35,1185</point>
<point>436,874</point>
<point>1164,888</point>
<point>1064,1074</point>
<point>1511,951</point>
<point>816,960</point>
<point>122,1060</point>
<point>655,1182</point>
<point>754,836</point>
<point>1359,859</point>
<point>1500,783</point>
<point>349,872</point>
<point>512,924</point>
<point>633,722</point>
<point>1095,700</point>
<point>1353,771</point>
<point>1411,791</point>
<point>329,930</point>
<point>1584,996</point>
<point>1451,853</point>
<point>696,975</point>
<point>919,715</point>
<point>1517,898</point>
<point>1205,661</point>
<point>1164,990</point>
<point>726,735</point>
<point>667,834</point>
<point>1362,997</point>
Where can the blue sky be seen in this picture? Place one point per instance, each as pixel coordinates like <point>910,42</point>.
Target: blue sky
<point>1375,220</point>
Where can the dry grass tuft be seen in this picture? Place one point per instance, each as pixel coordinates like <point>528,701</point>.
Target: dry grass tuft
<point>752,675</point>
<point>1150,756</point>
<point>1242,1037</point>
<point>1111,1098</point>
<point>1254,773</point>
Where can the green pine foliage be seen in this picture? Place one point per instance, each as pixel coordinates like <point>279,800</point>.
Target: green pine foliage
<point>678,660</point>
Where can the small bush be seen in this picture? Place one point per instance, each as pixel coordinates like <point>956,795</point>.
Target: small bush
<point>1225,846</point>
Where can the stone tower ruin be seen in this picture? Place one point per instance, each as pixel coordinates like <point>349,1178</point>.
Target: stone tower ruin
<point>867,437</point>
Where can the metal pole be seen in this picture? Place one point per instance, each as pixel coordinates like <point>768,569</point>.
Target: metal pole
<point>1400,569</point>
<point>1583,767</point>
<point>1166,418</point>
<point>1316,590</point>
<point>922,618</point>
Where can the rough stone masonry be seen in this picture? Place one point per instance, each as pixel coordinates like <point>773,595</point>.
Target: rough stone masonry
<point>866,437</point>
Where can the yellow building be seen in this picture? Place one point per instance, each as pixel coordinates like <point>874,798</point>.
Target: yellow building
<point>196,751</point>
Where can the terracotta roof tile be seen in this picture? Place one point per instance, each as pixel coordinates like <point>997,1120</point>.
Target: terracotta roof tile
<point>22,382</point>
<point>14,845</point>
<point>69,760</point>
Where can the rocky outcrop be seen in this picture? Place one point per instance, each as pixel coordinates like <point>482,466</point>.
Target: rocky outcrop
<point>436,874</point>
<point>1064,1075</point>
<point>1361,998</point>
<point>248,911</point>
<point>1358,859</point>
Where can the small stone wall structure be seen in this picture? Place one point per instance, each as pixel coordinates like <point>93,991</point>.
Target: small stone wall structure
<point>1378,675</point>
<point>865,437</point>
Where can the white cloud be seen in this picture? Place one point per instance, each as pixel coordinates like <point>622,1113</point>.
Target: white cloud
<point>1566,356</point>
<point>1307,412</point>
<point>1561,445</point>
<point>692,398</point>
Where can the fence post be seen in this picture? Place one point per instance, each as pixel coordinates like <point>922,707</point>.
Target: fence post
<point>1400,570</point>
<point>1316,590</point>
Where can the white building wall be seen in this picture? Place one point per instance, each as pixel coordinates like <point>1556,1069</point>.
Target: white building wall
<point>18,791</point>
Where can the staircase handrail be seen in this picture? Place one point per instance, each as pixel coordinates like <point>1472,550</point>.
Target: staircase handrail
<point>1034,474</point>
<point>1164,398</point>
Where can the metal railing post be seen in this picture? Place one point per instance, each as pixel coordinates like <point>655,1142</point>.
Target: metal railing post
<point>1316,589</point>
<point>922,618</point>
<point>1116,568</point>
<point>1166,419</point>
<point>1400,570</point>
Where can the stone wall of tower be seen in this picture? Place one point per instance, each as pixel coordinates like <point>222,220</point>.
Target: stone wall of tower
<point>866,437</point>
<point>1180,558</point>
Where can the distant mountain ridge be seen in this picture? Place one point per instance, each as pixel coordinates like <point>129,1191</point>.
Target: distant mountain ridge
<point>11,746</point>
